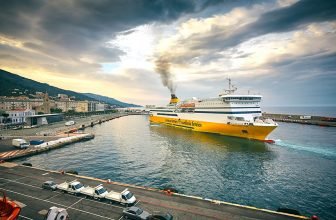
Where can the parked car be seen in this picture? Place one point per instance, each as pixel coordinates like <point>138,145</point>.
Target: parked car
<point>36,142</point>
<point>166,216</point>
<point>135,213</point>
<point>49,185</point>
<point>69,123</point>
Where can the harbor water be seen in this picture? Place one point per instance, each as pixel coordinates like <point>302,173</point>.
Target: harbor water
<point>297,172</point>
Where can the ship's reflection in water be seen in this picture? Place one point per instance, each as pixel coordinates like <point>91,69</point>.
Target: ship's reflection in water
<point>199,161</point>
<point>209,141</point>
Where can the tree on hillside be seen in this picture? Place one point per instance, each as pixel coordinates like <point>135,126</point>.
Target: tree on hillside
<point>56,110</point>
<point>5,115</point>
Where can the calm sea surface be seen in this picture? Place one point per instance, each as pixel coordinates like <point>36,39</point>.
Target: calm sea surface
<point>297,172</point>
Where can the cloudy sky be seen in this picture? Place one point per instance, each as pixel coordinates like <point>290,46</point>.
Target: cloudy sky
<point>135,50</point>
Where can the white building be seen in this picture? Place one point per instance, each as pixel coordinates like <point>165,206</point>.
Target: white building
<point>101,107</point>
<point>18,116</point>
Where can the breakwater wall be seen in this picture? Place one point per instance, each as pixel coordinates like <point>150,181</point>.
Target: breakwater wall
<point>302,119</point>
<point>47,146</point>
<point>82,126</point>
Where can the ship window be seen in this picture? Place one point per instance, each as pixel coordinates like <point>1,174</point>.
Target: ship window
<point>244,131</point>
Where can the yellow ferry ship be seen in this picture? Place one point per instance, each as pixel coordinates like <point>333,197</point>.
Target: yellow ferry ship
<point>229,114</point>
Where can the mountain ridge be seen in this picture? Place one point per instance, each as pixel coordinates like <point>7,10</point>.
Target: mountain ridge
<point>11,82</point>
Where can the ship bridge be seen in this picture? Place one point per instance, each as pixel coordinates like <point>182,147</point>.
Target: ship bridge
<point>241,98</point>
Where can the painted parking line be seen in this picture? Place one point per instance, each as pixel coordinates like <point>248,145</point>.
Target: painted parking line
<point>56,192</point>
<point>21,216</point>
<point>54,196</point>
<point>15,181</point>
<point>8,180</point>
<point>136,202</point>
<point>79,210</point>
<point>74,203</point>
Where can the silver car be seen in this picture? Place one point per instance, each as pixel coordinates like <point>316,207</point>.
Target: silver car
<point>49,185</point>
<point>135,213</point>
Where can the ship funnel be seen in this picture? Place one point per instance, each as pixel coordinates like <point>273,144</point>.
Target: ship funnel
<point>173,99</point>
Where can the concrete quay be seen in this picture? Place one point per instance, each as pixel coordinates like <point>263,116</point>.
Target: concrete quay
<point>55,136</point>
<point>314,120</point>
<point>23,185</point>
<point>59,127</point>
<point>47,146</point>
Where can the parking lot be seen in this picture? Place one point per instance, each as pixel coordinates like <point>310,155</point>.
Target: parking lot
<point>23,185</point>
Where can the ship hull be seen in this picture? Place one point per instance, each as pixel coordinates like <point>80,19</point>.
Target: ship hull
<point>249,131</point>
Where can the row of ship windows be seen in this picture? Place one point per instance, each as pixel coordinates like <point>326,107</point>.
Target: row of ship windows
<point>242,98</point>
<point>216,103</point>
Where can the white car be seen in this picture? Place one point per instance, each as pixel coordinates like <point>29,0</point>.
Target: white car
<point>69,123</point>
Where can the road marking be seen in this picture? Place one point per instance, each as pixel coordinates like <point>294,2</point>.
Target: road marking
<point>8,180</point>
<point>43,212</point>
<point>25,217</point>
<point>45,174</point>
<point>54,196</point>
<point>56,192</point>
<point>121,217</point>
<point>136,202</point>
<point>20,204</point>
<point>33,197</point>
<point>75,203</point>
<point>20,182</point>
<point>18,178</point>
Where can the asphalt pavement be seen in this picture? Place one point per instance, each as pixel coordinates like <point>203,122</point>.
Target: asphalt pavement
<point>23,185</point>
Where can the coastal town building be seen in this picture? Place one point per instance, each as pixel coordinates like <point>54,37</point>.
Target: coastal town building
<point>92,106</point>
<point>42,103</point>
<point>63,97</point>
<point>45,107</point>
<point>101,107</point>
<point>19,116</point>
<point>82,106</point>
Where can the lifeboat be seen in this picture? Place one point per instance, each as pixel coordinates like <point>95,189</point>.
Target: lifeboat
<point>9,210</point>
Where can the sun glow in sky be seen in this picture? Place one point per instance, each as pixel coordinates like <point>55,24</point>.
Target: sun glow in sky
<point>285,50</point>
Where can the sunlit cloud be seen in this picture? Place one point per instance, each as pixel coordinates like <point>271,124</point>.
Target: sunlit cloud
<point>111,48</point>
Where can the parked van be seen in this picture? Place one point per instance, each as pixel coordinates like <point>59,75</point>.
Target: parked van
<point>20,143</point>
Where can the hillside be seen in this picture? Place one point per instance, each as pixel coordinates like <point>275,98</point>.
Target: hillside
<point>15,85</point>
<point>108,100</point>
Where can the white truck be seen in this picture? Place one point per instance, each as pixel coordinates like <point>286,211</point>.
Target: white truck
<point>74,187</point>
<point>125,197</point>
<point>20,143</point>
<point>97,192</point>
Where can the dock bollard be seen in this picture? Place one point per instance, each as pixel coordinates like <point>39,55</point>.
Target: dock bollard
<point>168,192</point>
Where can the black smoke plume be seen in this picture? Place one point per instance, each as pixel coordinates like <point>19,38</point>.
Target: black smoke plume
<point>163,68</point>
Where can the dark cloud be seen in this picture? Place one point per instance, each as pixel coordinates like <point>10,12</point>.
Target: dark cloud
<point>306,80</point>
<point>70,30</point>
<point>280,20</point>
<point>16,16</point>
